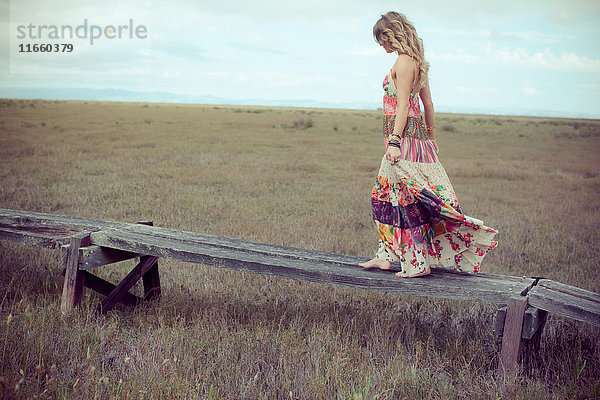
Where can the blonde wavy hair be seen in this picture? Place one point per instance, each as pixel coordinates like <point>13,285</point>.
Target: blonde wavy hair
<point>396,29</point>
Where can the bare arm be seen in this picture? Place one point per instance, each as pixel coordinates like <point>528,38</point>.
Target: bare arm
<point>402,74</point>
<point>425,95</point>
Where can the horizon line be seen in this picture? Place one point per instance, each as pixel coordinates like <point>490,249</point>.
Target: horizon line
<point>287,103</point>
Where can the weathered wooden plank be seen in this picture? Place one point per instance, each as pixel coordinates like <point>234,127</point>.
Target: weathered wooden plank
<point>127,283</point>
<point>268,250</point>
<point>512,285</point>
<point>32,238</point>
<point>46,230</point>
<point>298,264</point>
<point>567,301</point>
<point>571,290</point>
<point>73,283</point>
<point>266,258</point>
<point>32,221</point>
<point>18,219</point>
<point>91,257</point>
<point>52,230</point>
<point>511,337</point>
<point>242,245</point>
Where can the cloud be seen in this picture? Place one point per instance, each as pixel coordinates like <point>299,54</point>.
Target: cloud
<point>528,91</point>
<point>363,51</point>
<point>460,56</point>
<point>546,59</point>
<point>482,14</point>
<point>589,87</point>
<point>532,37</point>
<point>489,54</point>
<point>315,49</point>
<point>478,90</point>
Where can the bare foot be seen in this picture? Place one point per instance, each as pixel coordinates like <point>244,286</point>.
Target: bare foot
<point>413,276</point>
<point>376,263</point>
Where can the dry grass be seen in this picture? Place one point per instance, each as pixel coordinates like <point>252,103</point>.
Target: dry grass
<point>293,177</point>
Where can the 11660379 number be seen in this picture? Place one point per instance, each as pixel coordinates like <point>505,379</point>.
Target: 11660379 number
<point>46,48</point>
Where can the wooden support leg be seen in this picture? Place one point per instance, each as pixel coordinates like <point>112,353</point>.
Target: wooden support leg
<point>537,336</point>
<point>146,262</point>
<point>151,278</point>
<point>151,281</point>
<point>73,284</point>
<point>511,337</point>
<point>535,322</point>
<point>104,287</point>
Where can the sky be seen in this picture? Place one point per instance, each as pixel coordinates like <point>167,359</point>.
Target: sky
<point>511,57</point>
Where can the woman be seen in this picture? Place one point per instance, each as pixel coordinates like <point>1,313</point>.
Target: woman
<point>415,210</point>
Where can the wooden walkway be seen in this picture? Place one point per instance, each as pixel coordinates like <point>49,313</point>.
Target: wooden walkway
<point>89,244</point>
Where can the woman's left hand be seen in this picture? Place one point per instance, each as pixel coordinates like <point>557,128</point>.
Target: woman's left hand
<point>393,154</point>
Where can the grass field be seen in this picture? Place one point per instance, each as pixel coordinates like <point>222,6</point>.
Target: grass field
<point>296,177</point>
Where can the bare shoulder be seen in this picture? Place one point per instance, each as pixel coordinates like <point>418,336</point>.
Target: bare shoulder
<point>403,68</point>
<point>404,63</point>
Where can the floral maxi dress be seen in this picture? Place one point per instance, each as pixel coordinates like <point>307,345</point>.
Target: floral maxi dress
<point>415,210</point>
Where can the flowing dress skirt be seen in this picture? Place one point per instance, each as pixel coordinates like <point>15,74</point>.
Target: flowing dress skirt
<point>417,215</point>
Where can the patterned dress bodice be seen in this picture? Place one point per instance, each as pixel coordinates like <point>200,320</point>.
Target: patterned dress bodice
<point>390,102</point>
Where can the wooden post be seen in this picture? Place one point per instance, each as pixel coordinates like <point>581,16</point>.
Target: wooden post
<point>531,344</point>
<point>534,321</point>
<point>151,279</point>
<point>73,284</point>
<point>511,337</point>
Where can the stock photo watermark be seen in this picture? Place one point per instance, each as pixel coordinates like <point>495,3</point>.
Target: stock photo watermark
<point>67,38</point>
<point>85,31</point>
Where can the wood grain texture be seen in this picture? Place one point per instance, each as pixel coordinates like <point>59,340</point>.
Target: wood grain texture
<point>73,283</point>
<point>567,301</point>
<point>534,320</point>
<point>303,264</point>
<point>31,238</point>
<point>511,337</point>
<point>47,230</point>
<point>287,262</point>
<point>91,257</point>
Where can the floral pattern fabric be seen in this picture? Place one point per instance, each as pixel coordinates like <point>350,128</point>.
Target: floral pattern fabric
<point>415,210</point>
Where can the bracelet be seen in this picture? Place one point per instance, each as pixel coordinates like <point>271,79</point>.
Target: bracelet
<point>394,144</point>
<point>430,129</point>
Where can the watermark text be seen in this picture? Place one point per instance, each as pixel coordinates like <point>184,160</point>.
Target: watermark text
<point>90,32</point>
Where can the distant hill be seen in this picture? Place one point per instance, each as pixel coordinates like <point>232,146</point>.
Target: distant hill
<point>167,97</point>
